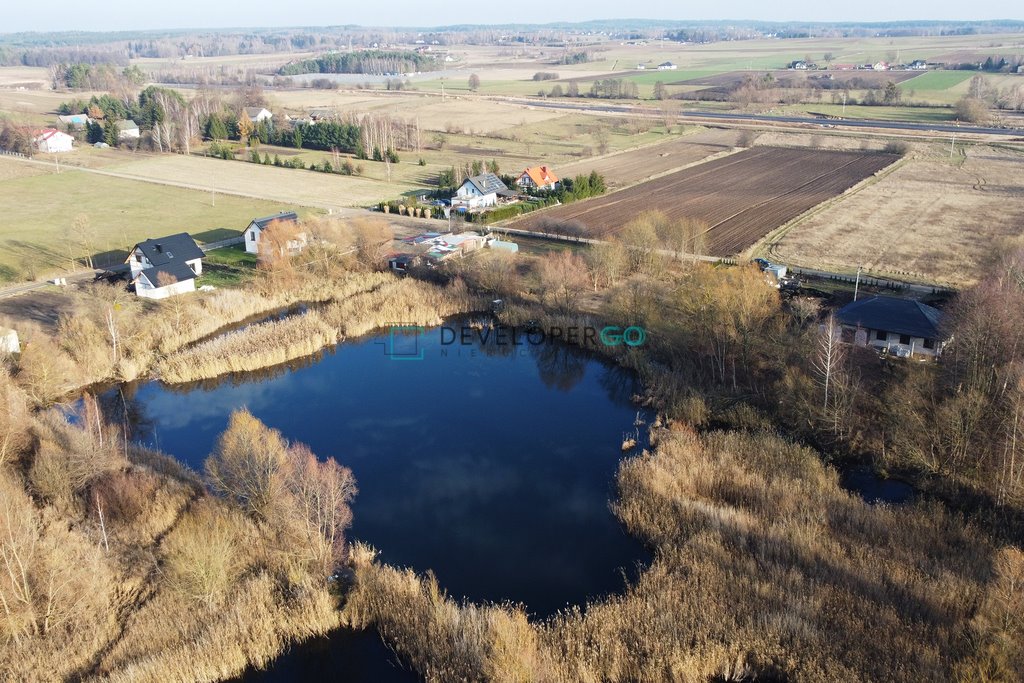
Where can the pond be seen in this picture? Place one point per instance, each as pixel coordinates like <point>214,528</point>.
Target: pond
<point>491,464</point>
<point>874,489</point>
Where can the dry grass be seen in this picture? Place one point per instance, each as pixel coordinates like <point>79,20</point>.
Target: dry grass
<point>120,567</point>
<point>764,568</point>
<point>931,219</point>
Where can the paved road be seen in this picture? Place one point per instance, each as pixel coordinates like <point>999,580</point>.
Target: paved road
<point>731,116</point>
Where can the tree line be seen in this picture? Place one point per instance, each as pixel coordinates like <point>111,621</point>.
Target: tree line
<point>361,62</point>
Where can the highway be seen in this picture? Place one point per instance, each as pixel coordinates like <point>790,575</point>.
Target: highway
<point>764,118</point>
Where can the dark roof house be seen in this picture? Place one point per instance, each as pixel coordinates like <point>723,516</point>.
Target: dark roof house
<point>891,314</point>
<point>163,250</point>
<point>487,183</point>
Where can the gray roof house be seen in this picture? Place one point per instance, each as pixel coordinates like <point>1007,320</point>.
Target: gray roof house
<point>480,191</point>
<point>127,129</point>
<point>901,326</point>
<point>255,229</point>
<point>165,266</point>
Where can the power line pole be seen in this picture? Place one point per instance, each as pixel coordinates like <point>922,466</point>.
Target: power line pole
<point>856,285</point>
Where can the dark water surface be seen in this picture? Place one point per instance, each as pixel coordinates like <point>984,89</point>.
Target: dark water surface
<point>492,466</point>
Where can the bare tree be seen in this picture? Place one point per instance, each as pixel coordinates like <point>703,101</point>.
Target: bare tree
<point>246,465</point>
<point>564,277</point>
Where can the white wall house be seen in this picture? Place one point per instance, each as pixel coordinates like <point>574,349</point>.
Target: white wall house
<point>127,130</point>
<point>666,66</point>
<point>538,178</point>
<point>257,114</point>
<point>256,228</point>
<point>161,282</point>
<point>903,327</point>
<point>165,266</point>
<point>52,140</point>
<point>479,191</point>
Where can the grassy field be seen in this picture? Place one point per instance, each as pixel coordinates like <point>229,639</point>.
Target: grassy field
<point>39,234</point>
<point>285,187</point>
<point>938,80</point>
<point>933,219</point>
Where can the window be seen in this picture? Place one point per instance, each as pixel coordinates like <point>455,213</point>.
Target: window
<point>881,335</point>
<point>252,235</point>
<point>905,339</point>
<point>929,343</point>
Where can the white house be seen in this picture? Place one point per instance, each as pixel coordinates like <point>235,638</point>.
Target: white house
<point>258,225</point>
<point>9,341</point>
<point>666,66</point>
<point>257,114</point>
<point>161,282</point>
<point>538,178</point>
<point>127,130</point>
<point>479,191</point>
<point>52,140</point>
<point>903,327</point>
<point>880,66</point>
<point>165,266</point>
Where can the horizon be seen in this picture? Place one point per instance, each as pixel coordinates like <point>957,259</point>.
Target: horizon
<point>193,15</point>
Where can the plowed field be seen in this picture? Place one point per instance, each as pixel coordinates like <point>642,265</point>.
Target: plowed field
<point>742,197</point>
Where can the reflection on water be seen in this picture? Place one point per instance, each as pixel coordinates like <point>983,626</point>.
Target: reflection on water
<point>493,466</point>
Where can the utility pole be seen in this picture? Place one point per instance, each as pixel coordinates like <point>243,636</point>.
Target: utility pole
<point>952,141</point>
<point>856,285</point>
<point>844,104</point>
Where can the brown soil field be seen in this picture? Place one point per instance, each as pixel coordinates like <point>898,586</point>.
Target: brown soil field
<point>931,219</point>
<point>632,166</point>
<point>742,197</point>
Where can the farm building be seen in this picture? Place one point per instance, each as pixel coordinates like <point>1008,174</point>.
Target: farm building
<point>257,114</point>
<point>74,121</point>
<point>9,342</point>
<point>537,178</point>
<point>900,326</point>
<point>165,266</point>
<point>127,130</point>
<point>259,225</point>
<point>666,66</point>
<point>52,140</point>
<point>479,191</point>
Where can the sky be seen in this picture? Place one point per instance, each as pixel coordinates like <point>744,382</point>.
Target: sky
<point>60,15</point>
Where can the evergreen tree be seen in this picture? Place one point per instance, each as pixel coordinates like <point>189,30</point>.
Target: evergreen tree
<point>297,138</point>
<point>110,132</point>
<point>216,129</point>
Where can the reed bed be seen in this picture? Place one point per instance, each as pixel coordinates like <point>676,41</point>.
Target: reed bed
<point>361,304</point>
<point>764,568</point>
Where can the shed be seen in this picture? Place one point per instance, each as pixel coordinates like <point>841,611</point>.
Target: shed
<point>9,342</point>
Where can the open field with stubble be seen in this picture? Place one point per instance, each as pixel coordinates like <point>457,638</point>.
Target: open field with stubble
<point>740,197</point>
<point>932,219</point>
<point>632,166</point>
<point>40,208</point>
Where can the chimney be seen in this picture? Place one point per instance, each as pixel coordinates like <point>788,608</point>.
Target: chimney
<point>159,248</point>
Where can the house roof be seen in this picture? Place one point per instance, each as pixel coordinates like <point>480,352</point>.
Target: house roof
<point>890,314</point>
<point>253,112</point>
<point>170,249</point>
<point>175,271</point>
<point>47,133</point>
<point>288,216</point>
<point>540,175</point>
<point>487,183</point>
<point>127,124</point>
